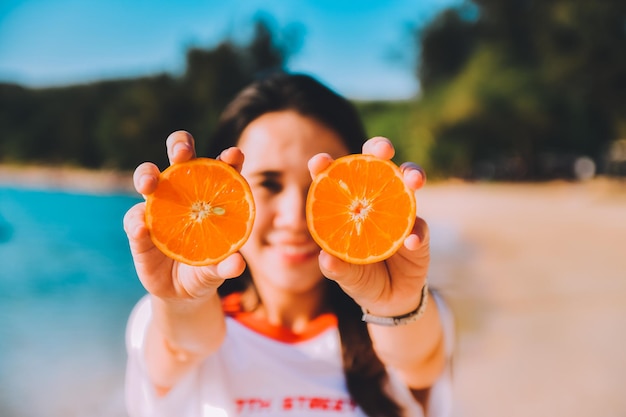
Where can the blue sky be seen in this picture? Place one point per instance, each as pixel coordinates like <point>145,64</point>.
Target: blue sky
<point>361,48</point>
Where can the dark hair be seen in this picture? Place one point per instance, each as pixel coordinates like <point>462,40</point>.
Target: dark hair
<point>281,91</point>
<point>365,374</point>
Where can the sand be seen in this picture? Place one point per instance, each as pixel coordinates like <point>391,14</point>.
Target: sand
<point>535,275</point>
<point>66,178</point>
<point>536,278</point>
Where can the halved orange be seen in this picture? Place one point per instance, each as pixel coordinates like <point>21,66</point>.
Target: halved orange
<point>201,211</point>
<point>359,209</point>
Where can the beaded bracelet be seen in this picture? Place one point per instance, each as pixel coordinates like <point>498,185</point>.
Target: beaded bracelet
<point>399,320</point>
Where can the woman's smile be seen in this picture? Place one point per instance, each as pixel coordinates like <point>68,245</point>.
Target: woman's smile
<point>295,252</point>
<point>277,147</point>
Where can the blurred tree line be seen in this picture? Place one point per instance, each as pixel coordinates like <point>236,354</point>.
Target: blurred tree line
<point>119,124</point>
<point>516,89</point>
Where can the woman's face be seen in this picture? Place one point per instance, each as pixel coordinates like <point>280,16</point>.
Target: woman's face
<point>277,146</point>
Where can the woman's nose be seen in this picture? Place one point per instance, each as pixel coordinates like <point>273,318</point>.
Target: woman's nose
<point>291,211</point>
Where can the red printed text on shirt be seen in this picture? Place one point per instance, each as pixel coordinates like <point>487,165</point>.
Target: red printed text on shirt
<point>295,404</point>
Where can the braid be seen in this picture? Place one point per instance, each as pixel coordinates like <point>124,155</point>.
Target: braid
<point>366,375</point>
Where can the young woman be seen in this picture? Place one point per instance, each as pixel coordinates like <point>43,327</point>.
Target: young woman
<point>278,329</point>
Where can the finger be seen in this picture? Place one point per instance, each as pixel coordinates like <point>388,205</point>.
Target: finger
<point>412,242</point>
<point>232,156</point>
<point>419,237</point>
<point>198,282</point>
<point>146,178</point>
<point>232,266</point>
<point>136,229</point>
<point>414,175</point>
<point>180,147</point>
<point>318,163</point>
<point>380,147</point>
<point>336,269</point>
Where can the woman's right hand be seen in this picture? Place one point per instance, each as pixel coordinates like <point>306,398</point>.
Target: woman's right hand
<point>160,275</point>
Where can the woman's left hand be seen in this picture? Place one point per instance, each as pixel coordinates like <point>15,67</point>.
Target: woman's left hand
<point>392,287</point>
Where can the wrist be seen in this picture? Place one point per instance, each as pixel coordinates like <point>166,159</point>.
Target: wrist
<point>400,319</point>
<point>184,303</point>
<point>194,326</point>
<point>172,315</point>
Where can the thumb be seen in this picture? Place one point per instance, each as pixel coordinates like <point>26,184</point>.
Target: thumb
<point>364,283</point>
<point>213,275</point>
<point>232,266</point>
<point>199,282</point>
<point>344,273</point>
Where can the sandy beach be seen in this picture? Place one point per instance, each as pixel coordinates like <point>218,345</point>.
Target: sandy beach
<point>535,275</point>
<point>537,280</point>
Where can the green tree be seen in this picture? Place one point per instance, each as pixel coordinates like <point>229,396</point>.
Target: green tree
<point>507,85</point>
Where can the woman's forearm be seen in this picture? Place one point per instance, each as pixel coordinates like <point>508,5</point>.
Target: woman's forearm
<point>181,335</point>
<point>415,350</point>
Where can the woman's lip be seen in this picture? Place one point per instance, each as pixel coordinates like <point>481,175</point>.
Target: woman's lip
<point>299,258</point>
<point>297,252</point>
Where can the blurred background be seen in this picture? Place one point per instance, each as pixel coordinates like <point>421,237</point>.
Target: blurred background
<point>517,110</point>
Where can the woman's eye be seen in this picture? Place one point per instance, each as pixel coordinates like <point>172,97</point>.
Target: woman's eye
<point>272,186</point>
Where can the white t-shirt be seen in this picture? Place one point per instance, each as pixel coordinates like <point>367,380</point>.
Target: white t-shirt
<point>265,371</point>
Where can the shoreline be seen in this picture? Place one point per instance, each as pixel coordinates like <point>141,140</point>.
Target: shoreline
<point>98,181</point>
<point>71,179</point>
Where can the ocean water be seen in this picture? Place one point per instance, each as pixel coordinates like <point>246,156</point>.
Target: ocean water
<point>67,285</point>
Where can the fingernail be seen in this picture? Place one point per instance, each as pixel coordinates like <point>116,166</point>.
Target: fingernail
<point>384,144</point>
<point>414,167</point>
<point>423,172</point>
<point>414,173</point>
<point>145,181</point>
<point>181,147</point>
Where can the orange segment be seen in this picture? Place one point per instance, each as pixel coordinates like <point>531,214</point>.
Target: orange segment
<point>359,209</point>
<point>201,211</point>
